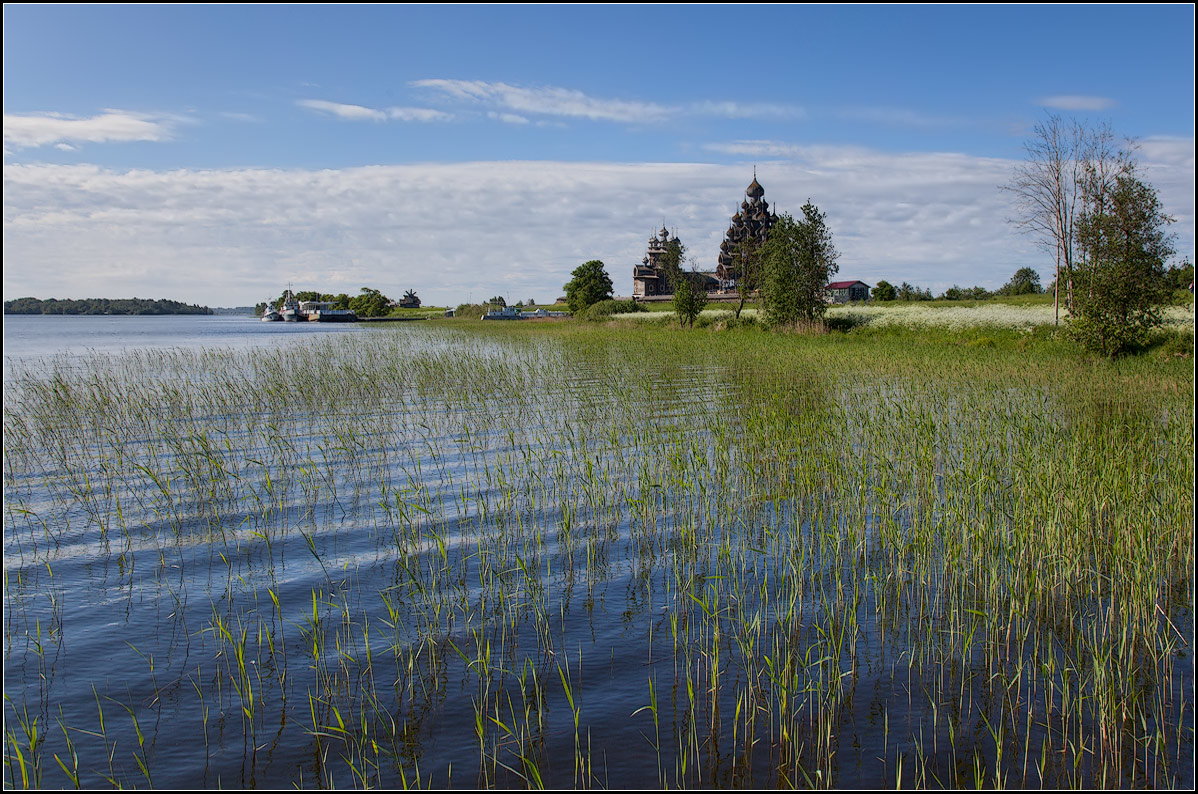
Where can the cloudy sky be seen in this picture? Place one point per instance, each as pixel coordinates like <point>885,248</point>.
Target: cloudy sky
<point>215,154</point>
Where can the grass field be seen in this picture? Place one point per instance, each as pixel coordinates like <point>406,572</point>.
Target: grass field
<point>566,554</point>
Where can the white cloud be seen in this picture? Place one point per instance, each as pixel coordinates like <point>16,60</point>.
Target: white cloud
<point>548,100</point>
<point>571,103</point>
<point>237,116</point>
<point>362,113</point>
<point>343,111</point>
<point>471,230</point>
<point>751,148</point>
<point>748,110</point>
<point>419,114</point>
<point>42,129</point>
<point>507,118</point>
<point>1076,102</point>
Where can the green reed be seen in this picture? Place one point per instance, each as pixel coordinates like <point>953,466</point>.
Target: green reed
<point>982,554</point>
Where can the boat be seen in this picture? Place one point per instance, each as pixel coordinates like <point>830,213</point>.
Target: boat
<point>271,314</point>
<point>291,307</point>
<point>323,312</point>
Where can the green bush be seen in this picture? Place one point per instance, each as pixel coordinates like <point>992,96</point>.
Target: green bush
<point>473,311</point>
<point>1172,342</point>
<point>606,308</point>
<point>731,322</point>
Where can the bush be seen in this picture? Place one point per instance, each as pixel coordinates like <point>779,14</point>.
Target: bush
<point>473,311</point>
<point>606,308</point>
<point>1124,285</point>
<point>730,323</point>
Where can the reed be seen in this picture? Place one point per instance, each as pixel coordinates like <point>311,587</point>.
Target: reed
<point>471,546</point>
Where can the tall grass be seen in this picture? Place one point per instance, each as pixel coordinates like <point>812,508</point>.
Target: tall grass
<point>579,556</point>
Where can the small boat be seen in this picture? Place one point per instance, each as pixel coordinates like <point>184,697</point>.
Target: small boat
<point>271,315</point>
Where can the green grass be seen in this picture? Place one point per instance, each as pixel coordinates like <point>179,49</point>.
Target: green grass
<point>970,547</point>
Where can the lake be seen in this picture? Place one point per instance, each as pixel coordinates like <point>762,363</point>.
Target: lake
<point>39,335</point>
<point>241,554</point>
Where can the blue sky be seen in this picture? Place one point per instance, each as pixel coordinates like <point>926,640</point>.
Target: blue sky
<point>214,154</point>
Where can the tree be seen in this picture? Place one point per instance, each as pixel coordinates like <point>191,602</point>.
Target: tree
<point>1125,243</point>
<point>910,292</point>
<point>955,293</point>
<point>1025,282</point>
<point>1064,163</point>
<point>798,261</point>
<point>884,291</point>
<point>590,284</point>
<point>370,303</point>
<point>1180,276</point>
<point>690,290</point>
<point>748,255</point>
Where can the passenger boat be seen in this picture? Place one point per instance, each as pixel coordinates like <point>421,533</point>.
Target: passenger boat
<point>271,314</point>
<point>291,308</point>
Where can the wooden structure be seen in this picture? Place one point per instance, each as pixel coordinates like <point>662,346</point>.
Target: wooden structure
<point>749,227</point>
<point>845,291</point>
<point>649,278</point>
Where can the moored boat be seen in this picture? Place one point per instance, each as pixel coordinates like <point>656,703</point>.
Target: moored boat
<point>323,312</point>
<point>291,308</point>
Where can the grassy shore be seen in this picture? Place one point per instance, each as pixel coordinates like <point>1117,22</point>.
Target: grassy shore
<point>578,555</point>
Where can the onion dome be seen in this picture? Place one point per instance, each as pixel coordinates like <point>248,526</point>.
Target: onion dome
<point>754,190</point>
<point>663,234</point>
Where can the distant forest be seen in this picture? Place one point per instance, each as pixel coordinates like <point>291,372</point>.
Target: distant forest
<point>101,306</point>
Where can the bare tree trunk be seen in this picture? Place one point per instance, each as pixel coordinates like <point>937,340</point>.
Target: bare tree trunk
<point>1056,292</point>
<point>1048,188</point>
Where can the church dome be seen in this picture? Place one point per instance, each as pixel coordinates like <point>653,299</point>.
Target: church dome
<point>754,190</point>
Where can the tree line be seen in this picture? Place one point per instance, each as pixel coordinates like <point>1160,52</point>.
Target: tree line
<point>367,303</point>
<point>118,306</point>
<point>1025,282</point>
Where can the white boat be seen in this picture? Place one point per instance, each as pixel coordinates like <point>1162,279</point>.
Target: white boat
<point>271,315</point>
<point>291,308</point>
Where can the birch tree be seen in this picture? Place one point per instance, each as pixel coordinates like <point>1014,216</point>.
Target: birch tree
<point>1069,165</point>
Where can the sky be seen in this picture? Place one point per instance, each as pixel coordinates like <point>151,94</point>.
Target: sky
<point>216,154</point>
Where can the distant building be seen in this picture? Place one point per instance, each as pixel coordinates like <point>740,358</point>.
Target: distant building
<point>845,291</point>
<point>751,223</point>
<point>409,300</point>
<point>649,278</point>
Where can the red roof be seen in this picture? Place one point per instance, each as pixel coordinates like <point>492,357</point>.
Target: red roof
<point>845,284</point>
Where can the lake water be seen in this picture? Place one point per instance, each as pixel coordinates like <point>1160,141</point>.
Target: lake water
<point>241,554</point>
<point>39,335</point>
